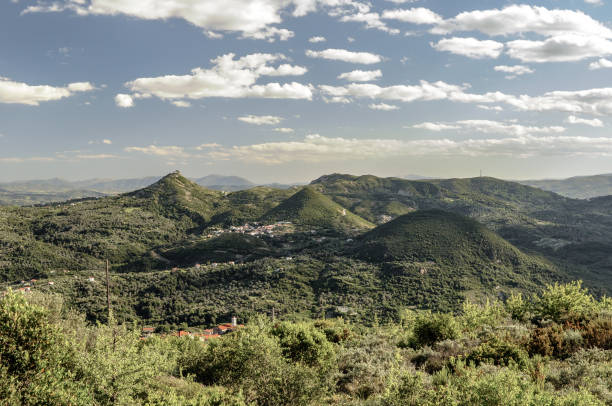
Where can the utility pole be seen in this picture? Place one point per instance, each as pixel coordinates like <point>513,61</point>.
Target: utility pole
<point>273,313</point>
<point>108,304</point>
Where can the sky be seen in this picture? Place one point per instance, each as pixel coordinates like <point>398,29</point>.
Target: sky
<point>289,90</point>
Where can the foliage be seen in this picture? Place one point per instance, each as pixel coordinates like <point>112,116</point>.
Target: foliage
<point>49,355</point>
<point>431,328</point>
<point>565,302</point>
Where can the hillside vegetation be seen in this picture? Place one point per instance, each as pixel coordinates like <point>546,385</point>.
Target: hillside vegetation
<point>554,348</point>
<point>484,238</point>
<point>311,208</point>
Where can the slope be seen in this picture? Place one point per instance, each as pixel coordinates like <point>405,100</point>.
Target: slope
<point>311,208</point>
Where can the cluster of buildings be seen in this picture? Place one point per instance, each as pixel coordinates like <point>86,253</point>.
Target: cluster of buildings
<point>254,229</point>
<point>205,335</point>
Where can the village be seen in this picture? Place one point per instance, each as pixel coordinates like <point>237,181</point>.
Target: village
<point>255,229</point>
<point>204,335</point>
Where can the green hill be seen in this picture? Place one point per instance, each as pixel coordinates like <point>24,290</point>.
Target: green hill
<point>439,236</point>
<point>309,207</point>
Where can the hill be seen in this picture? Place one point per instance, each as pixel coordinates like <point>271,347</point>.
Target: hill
<point>309,207</point>
<point>439,236</point>
<point>578,187</point>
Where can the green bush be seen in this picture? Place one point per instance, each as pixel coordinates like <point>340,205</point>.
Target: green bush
<point>568,302</point>
<point>498,352</point>
<point>430,328</point>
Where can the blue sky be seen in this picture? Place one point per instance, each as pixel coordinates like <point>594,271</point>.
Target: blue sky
<point>288,90</point>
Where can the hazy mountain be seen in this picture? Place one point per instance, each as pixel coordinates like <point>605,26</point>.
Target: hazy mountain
<point>579,187</point>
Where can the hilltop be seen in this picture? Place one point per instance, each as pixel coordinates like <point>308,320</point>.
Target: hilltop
<point>311,208</point>
<point>439,236</point>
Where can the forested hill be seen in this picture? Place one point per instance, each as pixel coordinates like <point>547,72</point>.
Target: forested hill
<point>307,249</point>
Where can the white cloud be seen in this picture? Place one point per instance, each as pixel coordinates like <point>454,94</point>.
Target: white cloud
<point>255,19</point>
<point>577,120</point>
<point>383,107</point>
<point>107,142</point>
<point>261,120</point>
<point>165,151</point>
<point>470,47</point>
<point>490,108</point>
<point>600,64</point>
<point>516,70</point>
<point>317,148</point>
<point>371,20</point>
<point>252,18</point>
<point>418,15</point>
<point>513,71</point>
<point>124,100</point>
<point>595,2</point>
<point>491,127</point>
<point>517,19</point>
<point>181,103</point>
<point>361,75</point>
<point>284,130</point>
<point>435,126</point>
<point>365,58</point>
<point>592,101</point>
<point>228,78</point>
<point>314,40</point>
<point>12,92</point>
<point>560,48</point>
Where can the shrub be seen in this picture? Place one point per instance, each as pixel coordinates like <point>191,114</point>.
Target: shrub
<point>569,302</point>
<point>431,328</point>
<point>498,352</point>
<point>302,342</point>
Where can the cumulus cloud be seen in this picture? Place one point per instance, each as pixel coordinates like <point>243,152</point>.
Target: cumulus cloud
<point>261,120</point>
<point>577,120</point>
<point>515,70</point>
<point>107,142</point>
<point>317,148</point>
<point>163,151</point>
<point>284,130</point>
<point>252,18</point>
<point>344,55</point>
<point>418,15</point>
<point>569,35</point>
<point>600,64</point>
<point>257,19</point>
<point>371,20</point>
<point>383,107</point>
<point>435,126</point>
<point>181,103</point>
<point>124,100</point>
<point>470,47</point>
<point>361,75</point>
<point>314,40</point>
<point>591,101</point>
<point>560,48</point>
<point>12,92</point>
<point>517,19</point>
<point>491,127</point>
<point>228,78</point>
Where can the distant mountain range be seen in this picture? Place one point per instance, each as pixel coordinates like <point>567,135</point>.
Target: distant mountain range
<point>578,187</point>
<point>43,191</point>
<point>56,190</point>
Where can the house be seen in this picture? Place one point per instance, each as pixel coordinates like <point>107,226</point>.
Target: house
<point>91,279</point>
<point>51,283</point>
<point>147,332</point>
